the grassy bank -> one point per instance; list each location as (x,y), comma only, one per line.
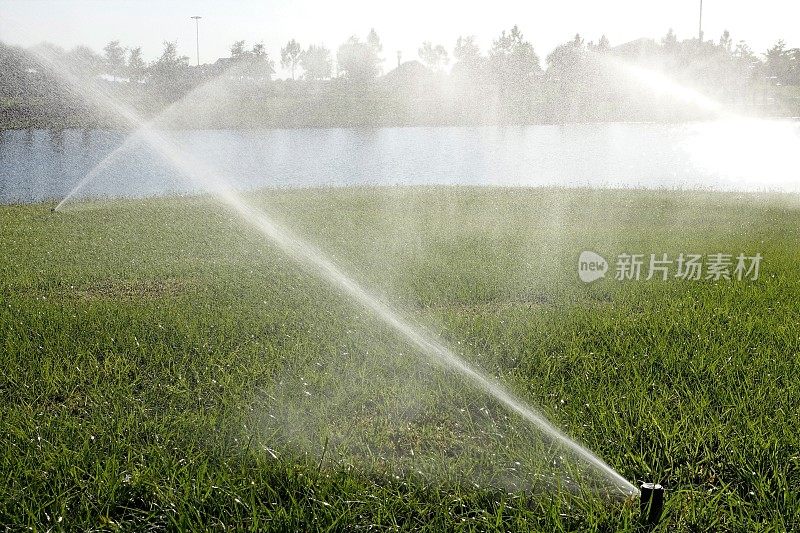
(164,366)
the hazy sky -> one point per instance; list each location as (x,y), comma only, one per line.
(402,25)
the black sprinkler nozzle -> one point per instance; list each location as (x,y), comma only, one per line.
(651,503)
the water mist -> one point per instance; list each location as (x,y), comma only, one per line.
(314,260)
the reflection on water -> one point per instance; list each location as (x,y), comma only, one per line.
(57,140)
(38,165)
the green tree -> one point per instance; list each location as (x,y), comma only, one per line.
(114,56)
(575,80)
(136,67)
(466,51)
(259,50)
(168,73)
(291,54)
(260,64)
(778,62)
(516,69)
(725,41)
(470,66)
(316,63)
(513,59)
(13,65)
(358,61)
(744,52)
(433,56)
(375,43)
(670,41)
(794,64)
(565,60)
(254,64)
(238,50)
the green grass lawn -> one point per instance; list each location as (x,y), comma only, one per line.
(163,366)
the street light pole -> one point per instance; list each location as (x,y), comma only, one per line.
(700,32)
(197,33)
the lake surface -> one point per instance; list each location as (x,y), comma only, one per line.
(38,165)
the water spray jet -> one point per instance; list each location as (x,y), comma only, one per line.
(316,261)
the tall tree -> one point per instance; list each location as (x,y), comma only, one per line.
(794,63)
(725,41)
(513,59)
(136,67)
(470,65)
(260,64)
(291,54)
(375,43)
(515,67)
(13,65)
(466,51)
(169,71)
(744,52)
(433,56)
(259,50)
(358,61)
(254,64)
(778,62)
(238,50)
(316,63)
(670,41)
(114,56)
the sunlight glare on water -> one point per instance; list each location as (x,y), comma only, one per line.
(752,154)
(746,153)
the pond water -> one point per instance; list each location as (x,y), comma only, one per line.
(39,165)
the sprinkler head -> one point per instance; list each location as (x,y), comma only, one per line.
(651,503)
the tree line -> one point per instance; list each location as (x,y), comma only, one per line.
(508,83)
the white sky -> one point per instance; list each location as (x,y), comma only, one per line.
(402,25)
